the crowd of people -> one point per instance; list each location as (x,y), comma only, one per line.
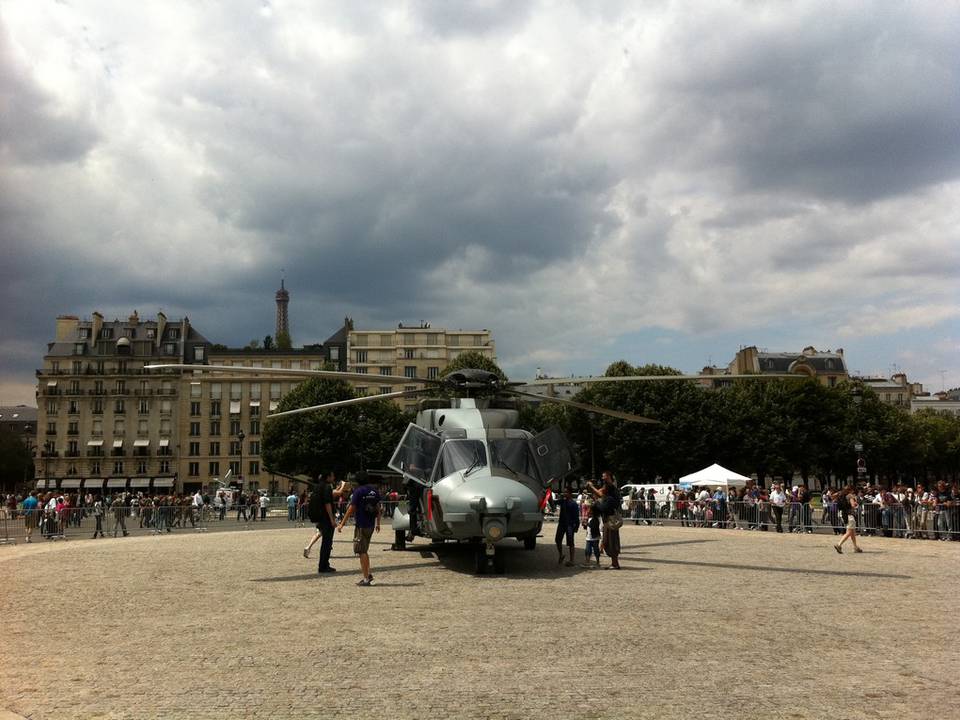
(900,511)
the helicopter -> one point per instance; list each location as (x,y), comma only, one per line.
(473,475)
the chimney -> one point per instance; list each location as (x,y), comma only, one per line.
(134,319)
(161,326)
(67,328)
(97,326)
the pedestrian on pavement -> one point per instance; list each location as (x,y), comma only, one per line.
(778,500)
(609,496)
(847,505)
(291,506)
(98,516)
(30,514)
(119,515)
(326,521)
(568,520)
(592,526)
(365,505)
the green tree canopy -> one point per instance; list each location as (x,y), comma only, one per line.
(475,360)
(339,439)
(283,341)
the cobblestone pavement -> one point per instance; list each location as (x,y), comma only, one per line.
(699,623)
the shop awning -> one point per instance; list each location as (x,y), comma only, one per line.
(234,407)
(164,442)
(116,482)
(273,405)
(141,442)
(52,383)
(140,483)
(93,483)
(41,484)
(94,443)
(254,403)
(118,443)
(70,483)
(163,482)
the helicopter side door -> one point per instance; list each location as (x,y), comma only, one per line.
(552,454)
(416,455)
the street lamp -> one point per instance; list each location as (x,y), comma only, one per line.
(857,395)
(241,436)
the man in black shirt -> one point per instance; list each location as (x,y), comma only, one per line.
(327,522)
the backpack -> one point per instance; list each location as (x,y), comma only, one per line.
(315,507)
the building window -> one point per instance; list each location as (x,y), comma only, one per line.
(193,469)
(195,390)
(361,370)
(216,391)
(386,370)
(198,353)
(166,407)
(75,386)
(254,467)
(52,408)
(274,391)
(254,411)
(409,354)
(118,467)
(118,427)
(173,333)
(73,427)
(164,466)
(214,408)
(235,467)
(98,407)
(51,428)
(97,427)
(195,408)
(141,467)
(361,390)
(98,387)
(121,387)
(386,390)
(255,391)
(832,381)
(433,372)
(254,447)
(118,407)
(141,427)
(144,407)
(361,356)
(453,340)
(194,449)
(335,353)
(234,427)
(215,447)
(214,468)
(106,333)
(359,339)
(95,467)
(214,427)
(410,371)
(234,447)
(74,407)
(254,427)
(151,333)
(235,390)
(165,426)
(194,429)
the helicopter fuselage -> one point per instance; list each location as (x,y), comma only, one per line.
(472,475)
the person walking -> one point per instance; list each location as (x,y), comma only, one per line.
(325,520)
(365,505)
(847,505)
(119,515)
(609,496)
(98,516)
(291,506)
(568,520)
(29,507)
(241,506)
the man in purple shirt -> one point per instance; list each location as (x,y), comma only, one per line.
(365,505)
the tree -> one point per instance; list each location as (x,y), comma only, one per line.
(475,360)
(268,342)
(283,341)
(339,440)
(253,345)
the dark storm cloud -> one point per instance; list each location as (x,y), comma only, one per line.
(33,130)
(835,102)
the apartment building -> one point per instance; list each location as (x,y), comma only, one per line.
(415,352)
(103,421)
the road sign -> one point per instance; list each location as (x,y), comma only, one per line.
(858,447)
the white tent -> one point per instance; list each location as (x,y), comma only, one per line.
(714,476)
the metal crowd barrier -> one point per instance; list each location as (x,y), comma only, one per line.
(898,521)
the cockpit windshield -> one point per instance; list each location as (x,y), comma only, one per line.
(456,455)
(514,455)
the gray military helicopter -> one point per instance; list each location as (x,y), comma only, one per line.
(473,475)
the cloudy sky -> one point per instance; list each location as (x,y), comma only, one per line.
(660,182)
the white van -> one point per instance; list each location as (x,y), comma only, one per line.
(662,493)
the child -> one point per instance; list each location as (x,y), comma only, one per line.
(592,526)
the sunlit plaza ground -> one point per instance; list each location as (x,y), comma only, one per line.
(699,623)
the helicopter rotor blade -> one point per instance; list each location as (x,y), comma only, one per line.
(331,374)
(656,378)
(588,408)
(351,401)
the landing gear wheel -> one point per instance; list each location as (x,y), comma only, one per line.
(530,542)
(399,540)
